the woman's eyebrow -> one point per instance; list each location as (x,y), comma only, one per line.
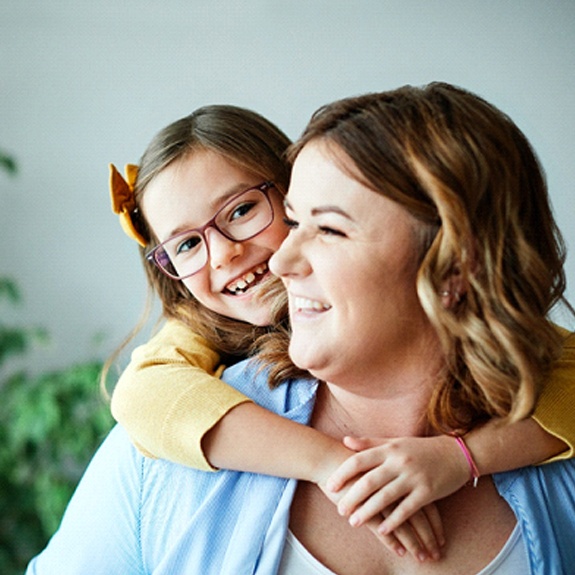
(322,210)
(330,210)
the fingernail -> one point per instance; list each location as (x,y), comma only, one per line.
(400,551)
(422,556)
(383,529)
(354,521)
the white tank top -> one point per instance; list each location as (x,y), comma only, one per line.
(511,560)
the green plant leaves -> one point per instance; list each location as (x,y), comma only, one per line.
(50,425)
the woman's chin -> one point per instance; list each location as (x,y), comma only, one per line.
(306,358)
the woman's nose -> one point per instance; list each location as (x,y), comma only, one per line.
(221,249)
(288,259)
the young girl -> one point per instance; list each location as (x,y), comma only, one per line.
(205,205)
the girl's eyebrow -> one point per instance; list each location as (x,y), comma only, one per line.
(214,206)
(322,210)
(226,195)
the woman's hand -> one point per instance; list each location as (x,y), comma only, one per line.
(408,473)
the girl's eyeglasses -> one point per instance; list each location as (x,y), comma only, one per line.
(242,217)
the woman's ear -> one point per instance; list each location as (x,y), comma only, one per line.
(453,289)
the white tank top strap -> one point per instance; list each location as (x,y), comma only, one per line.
(296,559)
(511,560)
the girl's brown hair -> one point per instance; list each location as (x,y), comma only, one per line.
(245,139)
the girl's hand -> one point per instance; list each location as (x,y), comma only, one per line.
(408,472)
(421,535)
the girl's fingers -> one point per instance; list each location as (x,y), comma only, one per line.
(402,512)
(425,530)
(434,519)
(350,468)
(389,540)
(408,538)
(373,488)
(367,508)
(359,443)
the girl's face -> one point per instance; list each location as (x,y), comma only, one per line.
(349,265)
(186,195)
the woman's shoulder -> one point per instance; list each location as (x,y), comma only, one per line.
(294,398)
(542,499)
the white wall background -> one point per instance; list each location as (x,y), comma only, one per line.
(84,83)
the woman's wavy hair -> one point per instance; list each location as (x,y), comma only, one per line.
(469,176)
(247,140)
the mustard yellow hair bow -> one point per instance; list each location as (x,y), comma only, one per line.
(123,201)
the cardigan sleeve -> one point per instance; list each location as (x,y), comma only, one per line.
(555,409)
(170,396)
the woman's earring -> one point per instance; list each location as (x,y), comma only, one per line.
(454,297)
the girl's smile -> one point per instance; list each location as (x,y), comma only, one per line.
(188,193)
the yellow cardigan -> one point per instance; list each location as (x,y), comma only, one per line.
(170,396)
(554,411)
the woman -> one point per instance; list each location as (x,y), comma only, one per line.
(421,307)
(422,262)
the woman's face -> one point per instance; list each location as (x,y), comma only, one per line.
(185,196)
(349,264)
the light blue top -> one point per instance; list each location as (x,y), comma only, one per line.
(132,515)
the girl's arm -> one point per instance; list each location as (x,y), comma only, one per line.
(173,406)
(251,438)
(407,469)
(169,396)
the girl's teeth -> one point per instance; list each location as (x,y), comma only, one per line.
(246,280)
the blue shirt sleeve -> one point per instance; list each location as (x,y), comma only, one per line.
(100,529)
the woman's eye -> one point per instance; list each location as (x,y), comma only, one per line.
(291,224)
(326,230)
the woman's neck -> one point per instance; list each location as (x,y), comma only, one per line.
(339,412)
(387,398)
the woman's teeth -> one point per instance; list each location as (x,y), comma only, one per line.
(242,284)
(302,304)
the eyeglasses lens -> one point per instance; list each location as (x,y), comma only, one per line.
(242,218)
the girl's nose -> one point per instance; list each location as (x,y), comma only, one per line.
(222,250)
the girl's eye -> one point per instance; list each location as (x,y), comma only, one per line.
(241,210)
(188,244)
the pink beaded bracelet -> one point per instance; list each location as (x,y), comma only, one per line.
(472,467)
